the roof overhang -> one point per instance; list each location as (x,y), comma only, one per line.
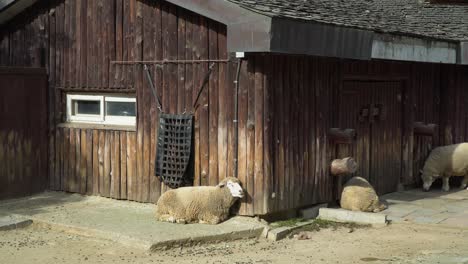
(249,31)
(405,48)
(11,8)
(463,53)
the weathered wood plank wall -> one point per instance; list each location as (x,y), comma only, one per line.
(81,38)
(286,103)
(23,131)
(297,93)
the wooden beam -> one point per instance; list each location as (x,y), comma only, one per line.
(342,136)
(343,166)
(420,128)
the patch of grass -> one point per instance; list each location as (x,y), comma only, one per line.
(287,223)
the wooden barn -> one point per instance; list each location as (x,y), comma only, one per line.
(292,86)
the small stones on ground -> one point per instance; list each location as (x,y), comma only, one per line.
(303,236)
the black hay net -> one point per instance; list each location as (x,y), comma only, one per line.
(174,148)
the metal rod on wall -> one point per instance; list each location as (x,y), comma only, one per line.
(236,118)
(160,62)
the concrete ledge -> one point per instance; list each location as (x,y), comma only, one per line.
(11,223)
(311,212)
(147,244)
(245,234)
(341,215)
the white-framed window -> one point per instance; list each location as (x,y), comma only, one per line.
(101,109)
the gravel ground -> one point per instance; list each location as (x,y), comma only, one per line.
(392,244)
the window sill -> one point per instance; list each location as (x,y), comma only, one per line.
(97,126)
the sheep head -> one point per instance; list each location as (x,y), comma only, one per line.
(427,180)
(233,184)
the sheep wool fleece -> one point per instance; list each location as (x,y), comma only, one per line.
(447,161)
(359,195)
(204,204)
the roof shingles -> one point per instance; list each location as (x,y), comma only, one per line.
(408,17)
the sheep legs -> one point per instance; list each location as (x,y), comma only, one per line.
(464,183)
(171,219)
(445,184)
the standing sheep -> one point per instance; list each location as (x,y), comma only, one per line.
(359,195)
(202,204)
(446,161)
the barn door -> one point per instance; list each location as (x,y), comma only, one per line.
(374,109)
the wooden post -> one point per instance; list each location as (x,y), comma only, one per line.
(424,129)
(342,136)
(340,167)
(343,166)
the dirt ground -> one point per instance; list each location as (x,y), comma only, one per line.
(393,244)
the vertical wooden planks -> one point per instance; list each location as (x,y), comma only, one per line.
(115,166)
(89,161)
(95,174)
(155,184)
(251,84)
(55,178)
(101,151)
(142,190)
(281,170)
(83,51)
(131,167)
(242,134)
(258,158)
(108,140)
(148,54)
(65,158)
(115,71)
(72,162)
(83,161)
(204,102)
(123,165)
(195,81)
(77,41)
(66,44)
(268,136)
(77,161)
(213,102)
(58,159)
(91,47)
(223,104)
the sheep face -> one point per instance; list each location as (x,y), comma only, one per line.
(427,181)
(235,189)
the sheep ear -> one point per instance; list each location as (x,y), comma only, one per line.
(221,184)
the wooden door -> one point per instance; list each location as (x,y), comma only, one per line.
(374,110)
(23,131)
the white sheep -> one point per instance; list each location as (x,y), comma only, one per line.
(359,195)
(202,204)
(446,161)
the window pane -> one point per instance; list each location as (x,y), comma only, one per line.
(83,107)
(120,108)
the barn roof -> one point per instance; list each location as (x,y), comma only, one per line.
(408,17)
(410,30)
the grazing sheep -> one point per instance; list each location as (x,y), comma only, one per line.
(202,204)
(446,161)
(359,195)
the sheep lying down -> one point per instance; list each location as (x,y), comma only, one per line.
(359,195)
(446,161)
(202,204)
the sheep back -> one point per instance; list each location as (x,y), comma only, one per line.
(206,203)
(359,195)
